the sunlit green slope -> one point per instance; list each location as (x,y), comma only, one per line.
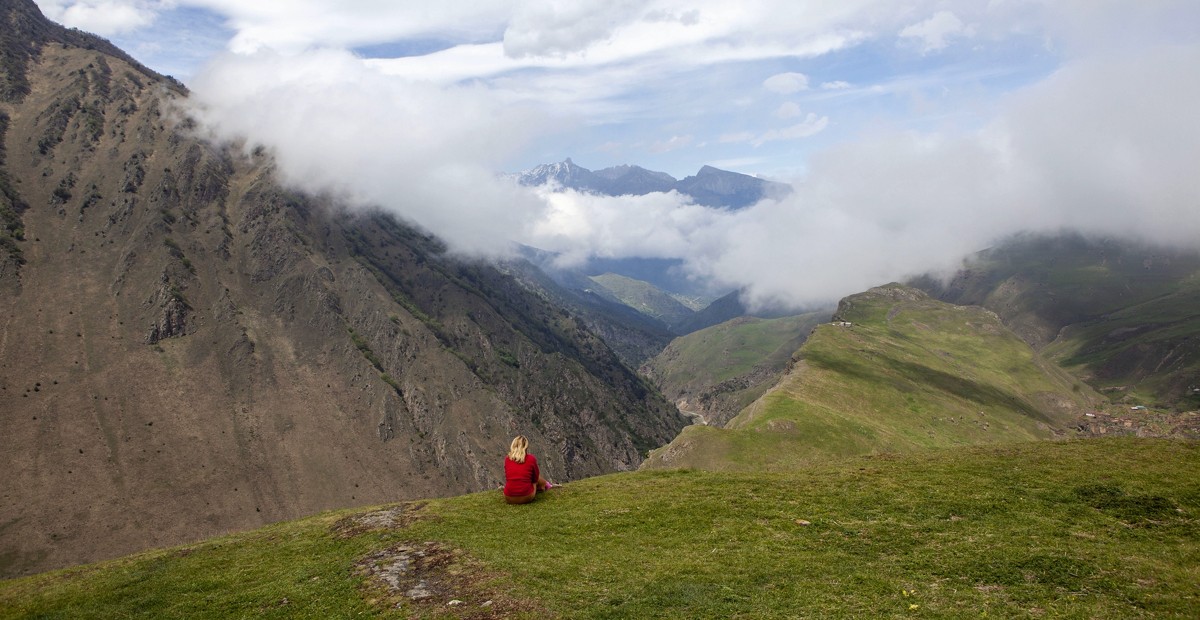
(645,298)
(896,371)
(719,370)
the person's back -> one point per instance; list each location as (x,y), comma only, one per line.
(522,477)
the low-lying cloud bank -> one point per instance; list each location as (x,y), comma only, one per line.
(1106,146)
(428,153)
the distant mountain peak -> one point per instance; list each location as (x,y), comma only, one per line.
(565,173)
(710,186)
(714,187)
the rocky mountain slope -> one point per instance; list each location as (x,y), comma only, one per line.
(186,347)
(633,336)
(894,371)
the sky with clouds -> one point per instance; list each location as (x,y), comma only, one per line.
(914,132)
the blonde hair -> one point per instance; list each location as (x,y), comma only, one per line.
(516,451)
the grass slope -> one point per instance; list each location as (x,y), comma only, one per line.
(1081,529)
(910,372)
(724,368)
(1117,313)
(645,298)
(1148,353)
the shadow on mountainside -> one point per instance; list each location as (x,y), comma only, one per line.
(919,374)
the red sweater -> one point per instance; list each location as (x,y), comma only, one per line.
(520,479)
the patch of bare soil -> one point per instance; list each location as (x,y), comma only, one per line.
(394,517)
(430,580)
(1117,421)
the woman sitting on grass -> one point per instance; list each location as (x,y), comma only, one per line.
(522,478)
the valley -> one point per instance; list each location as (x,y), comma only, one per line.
(223,395)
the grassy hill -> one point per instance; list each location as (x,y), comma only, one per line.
(719,370)
(907,372)
(1119,314)
(1148,353)
(1081,529)
(645,298)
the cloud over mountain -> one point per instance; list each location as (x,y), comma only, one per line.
(337,126)
(1071,152)
(1103,141)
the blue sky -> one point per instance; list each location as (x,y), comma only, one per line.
(915,131)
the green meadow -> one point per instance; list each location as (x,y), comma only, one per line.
(1079,529)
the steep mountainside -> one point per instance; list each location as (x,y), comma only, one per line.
(716,372)
(187,348)
(896,371)
(1124,316)
(633,336)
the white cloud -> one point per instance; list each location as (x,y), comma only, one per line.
(335,125)
(104,17)
(1118,161)
(654,226)
(836,85)
(810,126)
(935,33)
(296,25)
(786,83)
(788,109)
(559,28)
(422,136)
(1070,152)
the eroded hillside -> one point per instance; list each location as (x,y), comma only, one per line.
(186,347)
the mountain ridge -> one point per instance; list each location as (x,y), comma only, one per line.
(711,187)
(895,370)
